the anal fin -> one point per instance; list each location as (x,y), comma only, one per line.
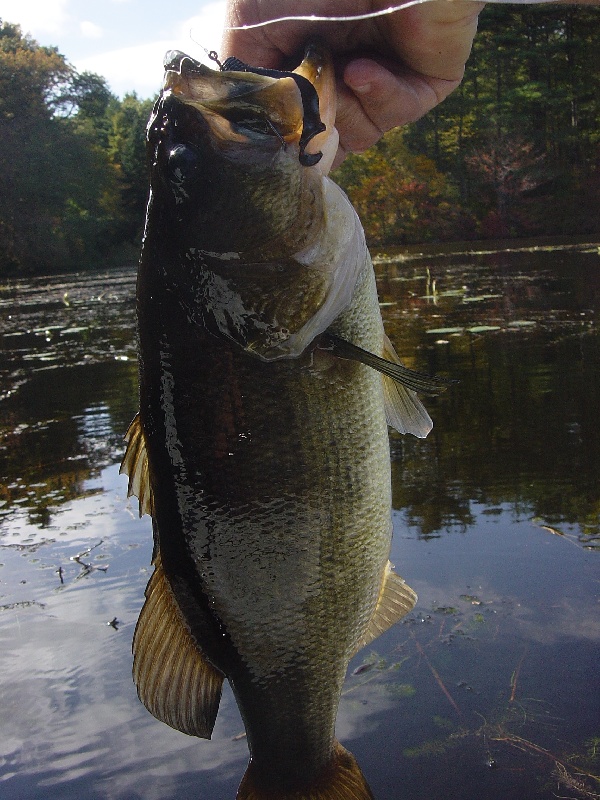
(396,600)
(135,465)
(173,679)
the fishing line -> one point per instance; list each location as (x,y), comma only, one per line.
(355,17)
(212,54)
(315,18)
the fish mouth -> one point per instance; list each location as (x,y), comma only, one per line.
(239,101)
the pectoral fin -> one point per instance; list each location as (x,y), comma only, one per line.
(396,600)
(389,364)
(135,465)
(403,409)
(174,680)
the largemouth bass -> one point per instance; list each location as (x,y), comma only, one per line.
(261,444)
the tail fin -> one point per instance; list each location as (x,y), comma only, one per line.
(341,779)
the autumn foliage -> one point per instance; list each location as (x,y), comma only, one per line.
(514,152)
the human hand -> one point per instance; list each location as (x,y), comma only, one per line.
(390,70)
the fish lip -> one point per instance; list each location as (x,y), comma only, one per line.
(180,69)
(179,62)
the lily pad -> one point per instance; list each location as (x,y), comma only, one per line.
(483,328)
(478,298)
(73,331)
(400,689)
(522,323)
(445,330)
(471,598)
(446,610)
(47,329)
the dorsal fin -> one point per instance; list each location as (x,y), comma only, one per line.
(173,679)
(396,600)
(135,465)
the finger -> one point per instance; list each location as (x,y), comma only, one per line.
(356,129)
(391,98)
(251,46)
(381,99)
(435,38)
(339,157)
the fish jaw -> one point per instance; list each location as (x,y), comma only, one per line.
(254,93)
(237,105)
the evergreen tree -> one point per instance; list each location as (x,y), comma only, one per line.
(531,97)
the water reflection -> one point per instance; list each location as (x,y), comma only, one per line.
(520,426)
(484,688)
(68,386)
(57,430)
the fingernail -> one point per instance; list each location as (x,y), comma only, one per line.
(361,88)
(358,74)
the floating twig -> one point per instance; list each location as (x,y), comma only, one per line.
(436,675)
(573,781)
(515,677)
(559,533)
(86,569)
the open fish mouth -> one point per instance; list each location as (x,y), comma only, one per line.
(240,102)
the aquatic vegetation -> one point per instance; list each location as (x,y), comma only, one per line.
(570,779)
(433,747)
(400,690)
(575,770)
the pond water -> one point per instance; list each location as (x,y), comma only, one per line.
(488,690)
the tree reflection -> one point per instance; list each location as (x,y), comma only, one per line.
(60,429)
(519,427)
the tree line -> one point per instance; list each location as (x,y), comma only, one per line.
(73,183)
(513,152)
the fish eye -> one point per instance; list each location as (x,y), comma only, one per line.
(256,124)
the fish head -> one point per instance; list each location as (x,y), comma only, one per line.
(235,153)
(250,234)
